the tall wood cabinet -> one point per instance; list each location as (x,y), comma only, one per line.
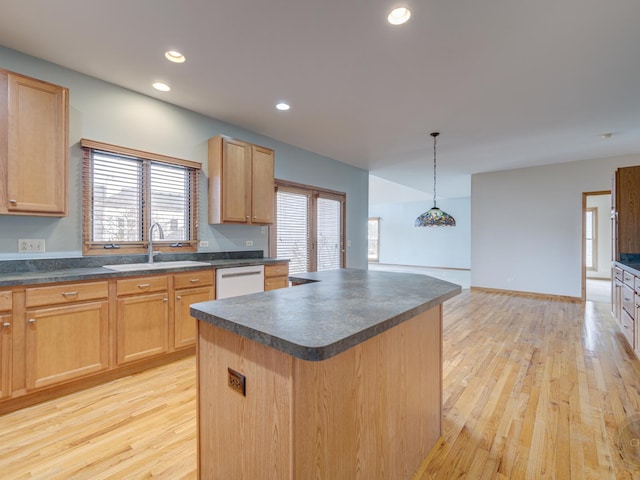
(625,201)
(34,146)
(241,182)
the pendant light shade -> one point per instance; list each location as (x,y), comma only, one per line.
(434,217)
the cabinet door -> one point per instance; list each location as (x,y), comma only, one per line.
(37,147)
(263,188)
(185,324)
(66,342)
(5,355)
(143,327)
(236,181)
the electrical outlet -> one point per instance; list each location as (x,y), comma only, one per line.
(237,382)
(204,243)
(249,243)
(263,230)
(348,243)
(26,245)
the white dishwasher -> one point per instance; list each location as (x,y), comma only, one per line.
(235,281)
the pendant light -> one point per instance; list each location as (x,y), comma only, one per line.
(434,217)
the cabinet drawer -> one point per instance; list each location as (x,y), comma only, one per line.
(276,282)
(276,270)
(628,327)
(628,301)
(629,279)
(59,294)
(6,301)
(192,279)
(131,286)
(617,273)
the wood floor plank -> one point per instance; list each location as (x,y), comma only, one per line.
(533,389)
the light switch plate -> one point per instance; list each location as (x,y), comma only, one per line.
(249,243)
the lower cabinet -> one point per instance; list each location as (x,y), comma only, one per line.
(185,324)
(6,322)
(276,276)
(66,342)
(142,328)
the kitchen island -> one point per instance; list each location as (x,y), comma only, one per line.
(337,378)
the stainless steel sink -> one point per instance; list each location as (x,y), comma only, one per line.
(129,267)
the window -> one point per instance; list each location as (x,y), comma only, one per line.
(126,191)
(591,238)
(309,228)
(373,237)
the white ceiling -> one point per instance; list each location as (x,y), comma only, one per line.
(508,83)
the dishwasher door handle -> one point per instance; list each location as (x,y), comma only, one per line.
(240,274)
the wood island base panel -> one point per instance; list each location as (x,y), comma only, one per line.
(373,411)
(338,378)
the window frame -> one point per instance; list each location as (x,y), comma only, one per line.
(313,193)
(377,239)
(594,238)
(90,247)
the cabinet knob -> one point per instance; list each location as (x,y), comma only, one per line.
(165,299)
(13,202)
(248,217)
(32,321)
(179,297)
(6,324)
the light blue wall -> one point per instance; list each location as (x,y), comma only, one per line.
(104,112)
(402,243)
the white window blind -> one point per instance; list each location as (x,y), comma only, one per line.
(116,199)
(329,225)
(292,240)
(170,201)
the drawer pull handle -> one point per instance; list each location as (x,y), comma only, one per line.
(143,285)
(70,294)
(6,324)
(32,321)
(165,299)
(179,297)
(13,202)
(194,280)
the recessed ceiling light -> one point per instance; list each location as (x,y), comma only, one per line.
(399,15)
(283,106)
(163,87)
(174,56)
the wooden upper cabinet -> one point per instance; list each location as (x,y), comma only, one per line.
(241,182)
(34,152)
(627,211)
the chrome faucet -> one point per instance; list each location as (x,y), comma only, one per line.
(161,233)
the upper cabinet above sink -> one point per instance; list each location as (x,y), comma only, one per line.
(241,182)
(34,146)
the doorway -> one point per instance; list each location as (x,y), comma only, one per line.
(596,246)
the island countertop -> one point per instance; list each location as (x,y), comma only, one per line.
(331,312)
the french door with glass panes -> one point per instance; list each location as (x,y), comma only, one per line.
(309,228)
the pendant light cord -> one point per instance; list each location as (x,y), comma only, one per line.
(434,135)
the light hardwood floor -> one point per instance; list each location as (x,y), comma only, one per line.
(533,389)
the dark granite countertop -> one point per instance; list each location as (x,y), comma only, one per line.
(334,311)
(30,272)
